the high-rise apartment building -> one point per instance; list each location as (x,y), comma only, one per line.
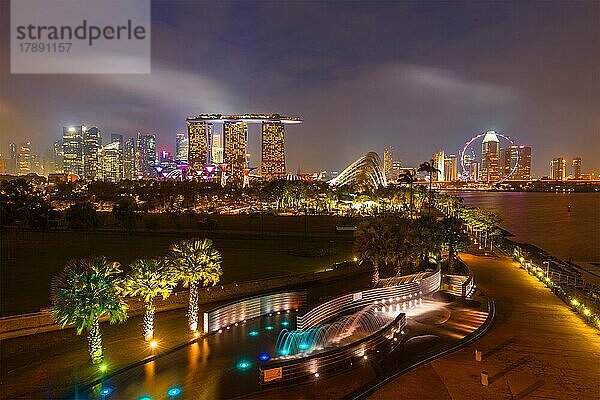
(576,164)
(181,147)
(92,142)
(490,149)
(273,153)
(235,140)
(450,168)
(438,163)
(111,163)
(25,158)
(129,159)
(558,169)
(388,160)
(73,150)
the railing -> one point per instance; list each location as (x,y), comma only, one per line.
(405,291)
(459,285)
(337,359)
(252,307)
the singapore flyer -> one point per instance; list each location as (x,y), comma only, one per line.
(479,158)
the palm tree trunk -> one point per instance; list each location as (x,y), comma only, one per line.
(149,322)
(94,338)
(375,275)
(193,307)
(398,269)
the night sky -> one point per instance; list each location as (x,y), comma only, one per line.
(415,75)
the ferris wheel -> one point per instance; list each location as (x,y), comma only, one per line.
(468,153)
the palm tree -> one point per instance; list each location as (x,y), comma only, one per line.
(85,291)
(374,243)
(409,177)
(454,238)
(405,245)
(195,262)
(429,168)
(149,278)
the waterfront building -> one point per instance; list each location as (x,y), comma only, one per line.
(92,142)
(73,150)
(129,159)
(181,147)
(450,168)
(438,163)
(490,149)
(273,151)
(388,163)
(558,169)
(518,155)
(111,162)
(25,158)
(235,141)
(576,164)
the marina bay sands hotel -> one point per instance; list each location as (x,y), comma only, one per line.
(228,150)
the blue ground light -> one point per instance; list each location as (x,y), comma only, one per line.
(269,328)
(285,323)
(145,398)
(304,346)
(264,357)
(253,333)
(174,391)
(106,391)
(243,365)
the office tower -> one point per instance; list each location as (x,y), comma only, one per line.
(450,168)
(73,150)
(388,160)
(57,152)
(198,144)
(576,168)
(273,151)
(490,149)
(36,164)
(25,158)
(181,147)
(520,156)
(558,169)
(146,154)
(116,137)
(12,160)
(504,162)
(92,142)
(111,164)
(438,163)
(3,166)
(129,159)
(235,139)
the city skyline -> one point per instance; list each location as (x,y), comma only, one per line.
(356,91)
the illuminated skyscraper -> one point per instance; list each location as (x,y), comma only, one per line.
(273,151)
(235,140)
(25,158)
(217,149)
(576,164)
(519,155)
(450,168)
(388,160)
(92,142)
(57,152)
(129,159)
(146,154)
(490,149)
(438,163)
(73,150)
(558,169)
(181,147)
(12,160)
(199,134)
(111,162)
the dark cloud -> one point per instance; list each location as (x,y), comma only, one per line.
(416,75)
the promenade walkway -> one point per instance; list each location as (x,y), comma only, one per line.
(536,349)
